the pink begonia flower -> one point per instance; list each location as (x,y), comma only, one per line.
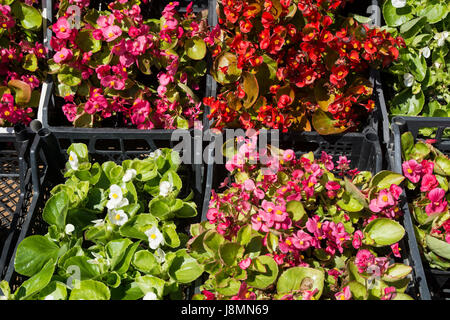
(113,82)
(396,250)
(70,111)
(332,187)
(63,55)
(345,294)
(164,79)
(103,71)
(308,185)
(358,236)
(97,34)
(438,204)
(412,170)
(396,191)
(288,155)
(327,160)
(31,80)
(102,21)
(389,293)
(111,33)
(427,166)
(244,294)
(363,259)
(384,199)
(244,264)
(127,59)
(429,182)
(301,240)
(140,111)
(62,28)
(249,185)
(134,32)
(343,163)
(119,48)
(138,46)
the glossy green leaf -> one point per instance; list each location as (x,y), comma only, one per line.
(261,280)
(301,278)
(395,17)
(439,247)
(55,210)
(195,48)
(36,283)
(406,103)
(184,268)
(29,17)
(90,290)
(383,232)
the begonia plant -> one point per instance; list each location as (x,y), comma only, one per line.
(303,229)
(22,60)
(115,232)
(420,76)
(296,64)
(427,170)
(150,71)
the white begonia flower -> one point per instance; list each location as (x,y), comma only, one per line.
(73,160)
(165,187)
(118,217)
(69,228)
(441,37)
(156,154)
(129,175)
(150,296)
(408,79)
(155,238)
(398,3)
(116,199)
(98,222)
(426,52)
(49,297)
(98,259)
(437,65)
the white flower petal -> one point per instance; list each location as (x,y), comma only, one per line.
(150,296)
(398,3)
(129,175)
(69,228)
(73,160)
(408,79)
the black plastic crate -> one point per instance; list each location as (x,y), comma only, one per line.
(48,154)
(437,281)
(52,115)
(15,187)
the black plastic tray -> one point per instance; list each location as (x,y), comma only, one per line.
(15,187)
(437,281)
(48,156)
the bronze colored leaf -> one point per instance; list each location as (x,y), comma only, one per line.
(322,97)
(22,91)
(225,68)
(251,88)
(324,124)
(233,102)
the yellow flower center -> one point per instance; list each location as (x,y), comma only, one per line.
(110,34)
(61,55)
(409,170)
(71,158)
(117,217)
(115,196)
(30,79)
(342,297)
(7,113)
(4,25)
(62,29)
(310,184)
(385,198)
(279,212)
(269,210)
(288,242)
(153,236)
(319,225)
(247,295)
(112,83)
(308,77)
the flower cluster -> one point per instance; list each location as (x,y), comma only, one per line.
(294,64)
(22,57)
(119,63)
(427,171)
(294,216)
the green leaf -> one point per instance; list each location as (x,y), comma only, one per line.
(212,241)
(55,210)
(56,289)
(36,283)
(384,179)
(296,209)
(435,11)
(170,234)
(116,250)
(30,18)
(412,27)
(415,63)
(86,270)
(195,48)
(359,292)
(90,290)
(33,253)
(349,203)
(442,165)
(30,62)
(86,42)
(137,225)
(396,271)
(439,247)
(406,103)
(188,210)
(263,280)
(69,76)
(229,251)
(228,61)
(184,268)
(146,262)
(150,283)
(324,124)
(301,278)
(383,232)
(159,208)
(402,296)
(81,150)
(395,17)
